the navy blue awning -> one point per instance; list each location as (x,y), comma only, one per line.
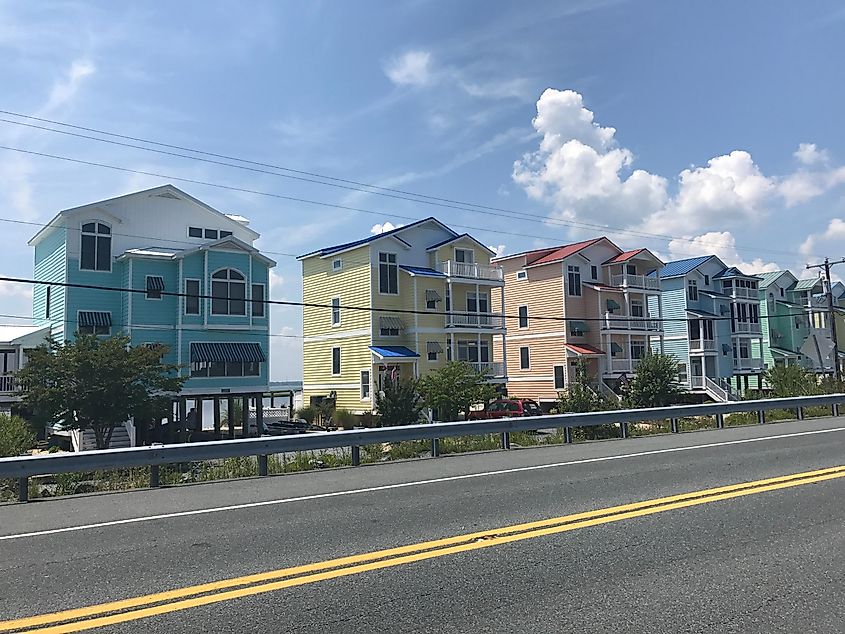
(94,318)
(247,352)
(155,283)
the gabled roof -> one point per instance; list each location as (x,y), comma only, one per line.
(556,254)
(228,240)
(628,255)
(767,279)
(679,268)
(460,237)
(163,191)
(324,251)
(806,285)
(732,271)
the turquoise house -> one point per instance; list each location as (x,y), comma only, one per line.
(191,278)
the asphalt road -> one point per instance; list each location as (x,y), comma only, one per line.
(767,560)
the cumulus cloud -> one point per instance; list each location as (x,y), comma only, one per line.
(14,289)
(66,88)
(721,244)
(384,227)
(412,68)
(810,154)
(498,249)
(830,242)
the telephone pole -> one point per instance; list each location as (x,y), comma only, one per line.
(830,313)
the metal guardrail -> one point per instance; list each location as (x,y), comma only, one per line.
(24,467)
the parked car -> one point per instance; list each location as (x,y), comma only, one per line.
(508,408)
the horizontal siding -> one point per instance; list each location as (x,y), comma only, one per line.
(317,371)
(51,266)
(545,353)
(162,311)
(81,299)
(234,384)
(351,285)
(542,292)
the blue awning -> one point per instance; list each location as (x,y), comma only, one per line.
(246,352)
(94,318)
(394,352)
(155,283)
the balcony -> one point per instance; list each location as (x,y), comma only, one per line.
(744,293)
(475,320)
(706,345)
(750,363)
(621,322)
(619,365)
(635,281)
(747,328)
(8,384)
(493,369)
(471,270)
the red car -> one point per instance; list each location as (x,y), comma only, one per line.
(509,408)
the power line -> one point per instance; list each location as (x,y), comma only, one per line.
(351,185)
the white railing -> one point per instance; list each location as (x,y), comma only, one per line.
(492,368)
(623,365)
(744,293)
(747,327)
(470,270)
(621,322)
(475,320)
(751,363)
(702,344)
(713,389)
(8,383)
(635,281)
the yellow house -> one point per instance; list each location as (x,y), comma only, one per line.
(399,303)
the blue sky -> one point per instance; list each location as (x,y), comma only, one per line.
(686,127)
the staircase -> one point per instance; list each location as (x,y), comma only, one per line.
(721,393)
(605,390)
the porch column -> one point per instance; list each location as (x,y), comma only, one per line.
(245,417)
(630,358)
(259,414)
(451,307)
(198,413)
(230,415)
(217,417)
(183,415)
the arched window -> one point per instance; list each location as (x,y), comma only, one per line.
(95,250)
(228,293)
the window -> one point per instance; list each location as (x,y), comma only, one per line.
(694,329)
(389,326)
(93,323)
(225,234)
(707,280)
(431,356)
(211,234)
(464,255)
(337,264)
(192,297)
(471,352)
(574,279)
(388,274)
(577,328)
(727,284)
(630,269)
(335,361)
(781,292)
(637,350)
(195,232)
(95,250)
(258,309)
(365,385)
(522,275)
(431,299)
(335,311)
(228,293)
(524,358)
(523,316)
(224,368)
(47,304)
(755,313)
(448,348)
(559,379)
(154,285)
(477,303)
(682,373)
(692,290)
(637,308)
(594,272)
(707,329)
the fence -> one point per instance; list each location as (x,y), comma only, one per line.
(24,467)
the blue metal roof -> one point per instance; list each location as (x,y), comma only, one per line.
(348,245)
(394,352)
(682,267)
(421,270)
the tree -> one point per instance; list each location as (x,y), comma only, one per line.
(15,436)
(97,384)
(578,396)
(399,402)
(656,382)
(791,380)
(454,388)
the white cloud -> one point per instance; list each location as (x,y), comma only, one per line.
(15,290)
(830,242)
(410,69)
(66,88)
(498,249)
(276,283)
(721,244)
(804,185)
(384,227)
(809,154)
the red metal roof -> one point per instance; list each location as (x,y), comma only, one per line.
(583,348)
(624,257)
(544,256)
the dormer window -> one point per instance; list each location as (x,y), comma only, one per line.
(337,264)
(211,234)
(464,255)
(95,248)
(195,232)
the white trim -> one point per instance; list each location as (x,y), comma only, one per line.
(369,396)
(378,271)
(180,306)
(96,235)
(146,287)
(527,379)
(557,333)
(248,292)
(554,378)
(348,334)
(519,317)
(207,302)
(528,348)
(334,323)
(329,386)
(339,361)
(129,305)
(244,281)
(524,274)
(339,268)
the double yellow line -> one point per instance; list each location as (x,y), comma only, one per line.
(77,620)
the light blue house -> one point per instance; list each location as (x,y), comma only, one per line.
(200,285)
(712,325)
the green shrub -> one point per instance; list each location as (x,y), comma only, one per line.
(344,418)
(308,414)
(16,436)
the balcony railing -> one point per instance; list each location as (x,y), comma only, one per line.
(744,293)
(751,363)
(635,281)
(702,344)
(746,327)
(475,320)
(621,322)
(628,365)
(470,270)
(8,383)
(492,368)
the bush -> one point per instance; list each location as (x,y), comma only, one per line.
(16,436)
(344,418)
(307,413)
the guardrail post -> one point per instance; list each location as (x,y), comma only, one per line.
(262,465)
(834,409)
(435,447)
(720,421)
(356,455)
(673,424)
(23,489)
(506,440)
(624,428)
(567,435)
(761,417)
(155,476)
(800,413)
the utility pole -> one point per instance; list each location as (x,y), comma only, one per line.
(830,314)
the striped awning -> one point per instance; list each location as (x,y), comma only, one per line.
(94,318)
(247,352)
(155,283)
(432,296)
(433,346)
(386,321)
